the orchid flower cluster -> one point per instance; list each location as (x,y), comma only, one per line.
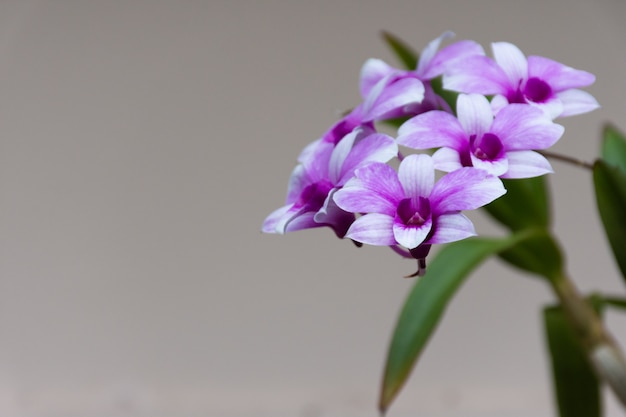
(503,113)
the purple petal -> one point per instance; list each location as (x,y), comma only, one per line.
(393,96)
(372,72)
(288,219)
(432,130)
(477,74)
(452,227)
(428,53)
(360,200)
(339,154)
(315,159)
(576,102)
(308,151)
(298,181)
(464,189)
(526,164)
(376,147)
(410,236)
(524,127)
(511,60)
(378,178)
(559,76)
(270,223)
(417,175)
(301,222)
(447,160)
(447,56)
(373,229)
(332,215)
(552,108)
(474,113)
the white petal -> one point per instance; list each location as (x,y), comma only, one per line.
(512,61)
(474,113)
(452,227)
(373,229)
(526,164)
(417,175)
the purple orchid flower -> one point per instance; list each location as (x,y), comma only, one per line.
(324,168)
(512,78)
(502,145)
(386,90)
(408,208)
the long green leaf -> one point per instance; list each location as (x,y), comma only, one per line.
(576,385)
(614,147)
(428,300)
(525,204)
(610,185)
(403,51)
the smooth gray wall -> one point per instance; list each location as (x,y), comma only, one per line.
(142,143)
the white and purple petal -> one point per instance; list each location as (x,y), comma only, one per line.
(447,160)
(379,178)
(524,127)
(375,147)
(452,53)
(512,61)
(464,189)
(476,74)
(372,72)
(373,229)
(428,53)
(576,102)
(450,228)
(432,130)
(417,175)
(474,113)
(560,77)
(391,96)
(361,200)
(526,164)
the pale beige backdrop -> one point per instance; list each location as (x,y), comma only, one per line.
(142,143)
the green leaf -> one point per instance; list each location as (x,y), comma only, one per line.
(614,147)
(538,254)
(610,185)
(427,302)
(576,385)
(525,204)
(403,51)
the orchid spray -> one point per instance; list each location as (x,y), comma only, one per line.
(485,123)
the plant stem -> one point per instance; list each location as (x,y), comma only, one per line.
(568,159)
(604,353)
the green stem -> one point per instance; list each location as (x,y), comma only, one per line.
(568,159)
(604,353)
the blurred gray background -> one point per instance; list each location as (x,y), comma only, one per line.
(142,143)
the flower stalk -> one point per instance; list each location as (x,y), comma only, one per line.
(604,353)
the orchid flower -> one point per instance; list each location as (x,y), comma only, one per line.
(502,145)
(513,78)
(408,208)
(323,169)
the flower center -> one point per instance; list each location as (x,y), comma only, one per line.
(537,90)
(487,147)
(414,211)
